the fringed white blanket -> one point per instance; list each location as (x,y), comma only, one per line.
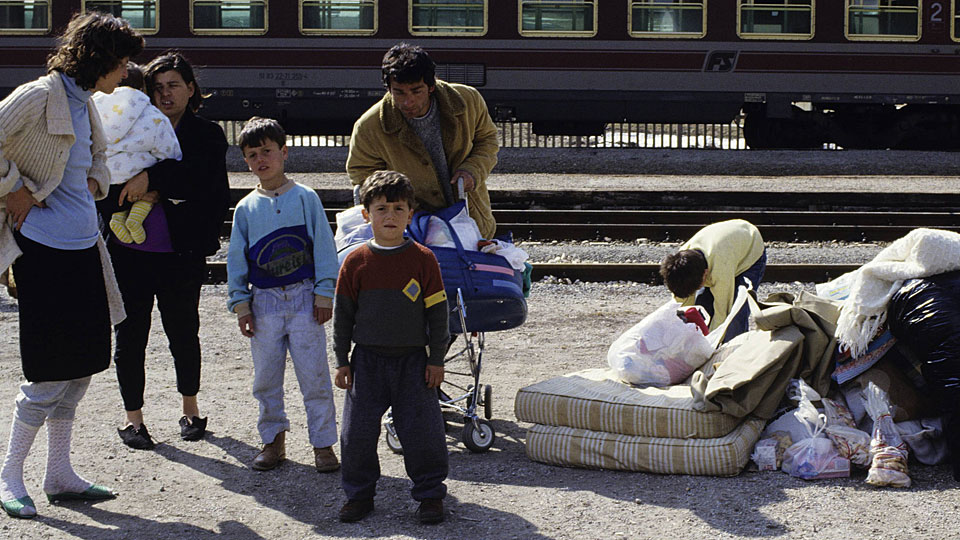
(921,253)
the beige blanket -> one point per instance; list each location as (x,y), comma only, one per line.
(921,253)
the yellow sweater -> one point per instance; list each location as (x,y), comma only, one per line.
(731,247)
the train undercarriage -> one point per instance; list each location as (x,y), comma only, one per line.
(855,126)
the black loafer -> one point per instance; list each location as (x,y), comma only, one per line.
(138,439)
(356,510)
(430,511)
(193,429)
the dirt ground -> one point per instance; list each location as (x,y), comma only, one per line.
(206,489)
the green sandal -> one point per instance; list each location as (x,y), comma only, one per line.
(22,508)
(93,493)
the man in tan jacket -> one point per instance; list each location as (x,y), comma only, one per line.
(432,131)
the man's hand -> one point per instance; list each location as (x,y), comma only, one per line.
(322,314)
(468,182)
(135,188)
(434,376)
(19,203)
(344,378)
(246,324)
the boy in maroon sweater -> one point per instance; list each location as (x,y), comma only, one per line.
(390,302)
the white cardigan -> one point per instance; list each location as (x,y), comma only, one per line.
(36,134)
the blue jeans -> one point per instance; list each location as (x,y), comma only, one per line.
(741,322)
(283,321)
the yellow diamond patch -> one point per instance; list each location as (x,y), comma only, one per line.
(412,290)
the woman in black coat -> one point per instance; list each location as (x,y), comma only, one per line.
(171,264)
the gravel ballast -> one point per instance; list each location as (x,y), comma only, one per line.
(206,489)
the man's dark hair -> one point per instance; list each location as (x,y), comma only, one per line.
(406,64)
(259,130)
(682,272)
(134,77)
(391,185)
(92,45)
(173,60)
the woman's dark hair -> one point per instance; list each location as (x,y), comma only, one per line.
(173,60)
(93,45)
(407,63)
(134,77)
(683,271)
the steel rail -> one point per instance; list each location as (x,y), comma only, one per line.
(638,272)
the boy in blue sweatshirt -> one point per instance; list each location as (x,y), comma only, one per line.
(282,272)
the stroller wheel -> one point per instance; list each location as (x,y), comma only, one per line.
(487,401)
(478,439)
(393,442)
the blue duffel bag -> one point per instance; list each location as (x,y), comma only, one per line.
(492,290)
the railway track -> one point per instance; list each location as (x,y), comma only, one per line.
(639,272)
(851,217)
(673,216)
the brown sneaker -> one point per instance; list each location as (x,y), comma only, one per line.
(325,459)
(272,454)
(356,510)
(430,511)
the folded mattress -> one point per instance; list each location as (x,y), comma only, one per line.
(572,447)
(596,400)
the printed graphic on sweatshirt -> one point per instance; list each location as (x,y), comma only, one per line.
(282,257)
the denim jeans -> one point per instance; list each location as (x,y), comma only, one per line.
(283,321)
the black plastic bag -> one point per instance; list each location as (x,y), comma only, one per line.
(924,315)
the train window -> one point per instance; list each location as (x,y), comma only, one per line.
(775,19)
(228,16)
(357,17)
(668,18)
(25,17)
(559,18)
(447,17)
(141,14)
(883,20)
(955,20)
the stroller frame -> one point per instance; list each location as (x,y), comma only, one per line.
(478,435)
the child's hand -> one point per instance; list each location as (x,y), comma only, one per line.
(344,378)
(322,314)
(246,324)
(434,376)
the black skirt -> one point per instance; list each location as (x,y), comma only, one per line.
(64,316)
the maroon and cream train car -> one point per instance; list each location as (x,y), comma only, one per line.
(862,73)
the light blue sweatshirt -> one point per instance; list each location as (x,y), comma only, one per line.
(69,220)
(280,237)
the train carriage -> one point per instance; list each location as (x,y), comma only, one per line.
(861,73)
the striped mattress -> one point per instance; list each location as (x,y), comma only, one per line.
(571,447)
(596,400)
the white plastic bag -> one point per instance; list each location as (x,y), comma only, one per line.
(438,234)
(351,227)
(849,441)
(660,350)
(814,456)
(888,466)
(514,255)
